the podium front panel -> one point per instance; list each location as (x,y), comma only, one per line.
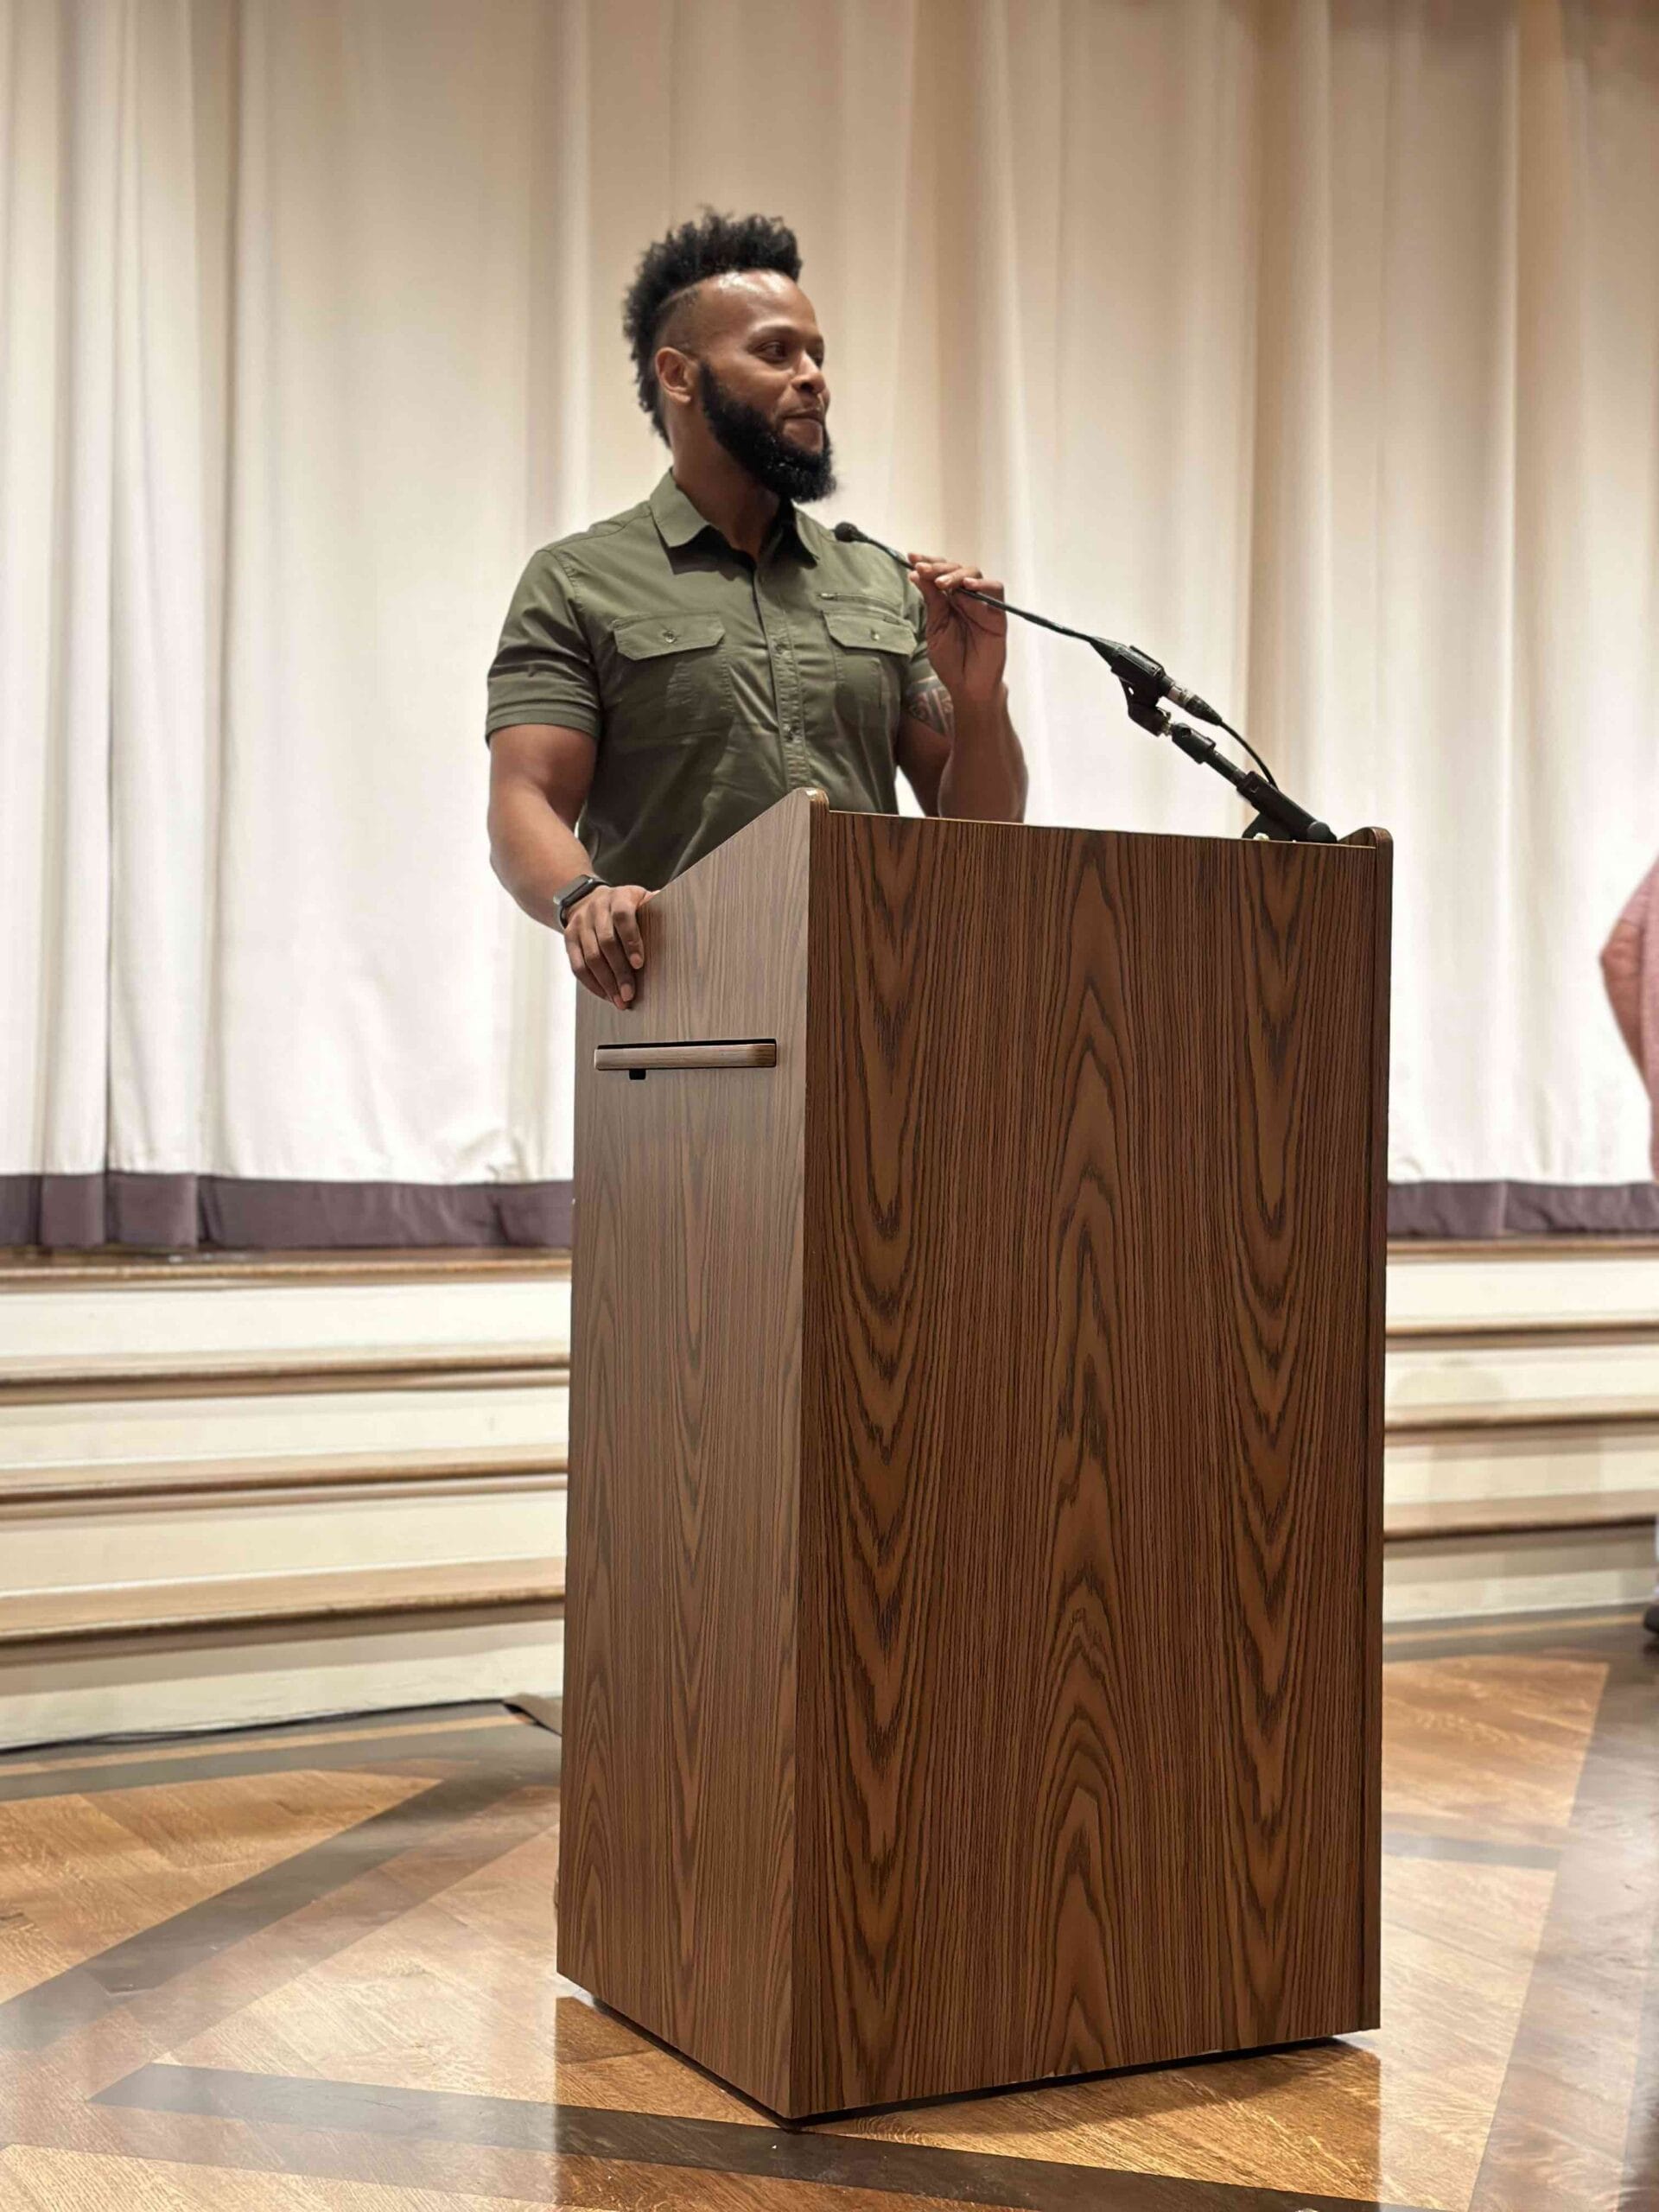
(1091,1522)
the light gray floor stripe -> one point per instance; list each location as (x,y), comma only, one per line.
(802,2155)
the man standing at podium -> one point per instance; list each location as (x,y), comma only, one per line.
(670,673)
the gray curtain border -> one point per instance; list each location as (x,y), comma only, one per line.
(1482,1212)
(189,1213)
(175,1213)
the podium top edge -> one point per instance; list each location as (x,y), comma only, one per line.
(1370,837)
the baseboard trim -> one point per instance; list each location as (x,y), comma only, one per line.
(1424,1424)
(354,1596)
(119,1268)
(1559,1513)
(55,1381)
(1523,1333)
(201,1481)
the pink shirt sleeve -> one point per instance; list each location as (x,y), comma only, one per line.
(1621,970)
(1630,967)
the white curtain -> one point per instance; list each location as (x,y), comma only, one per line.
(1315,344)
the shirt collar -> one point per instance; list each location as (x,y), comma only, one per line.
(679,523)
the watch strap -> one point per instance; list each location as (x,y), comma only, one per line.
(573,893)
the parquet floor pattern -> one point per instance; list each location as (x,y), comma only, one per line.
(310,1971)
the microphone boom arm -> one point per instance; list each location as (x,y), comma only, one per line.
(1146,682)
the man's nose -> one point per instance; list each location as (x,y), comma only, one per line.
(810,378)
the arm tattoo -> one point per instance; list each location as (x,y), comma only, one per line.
(932,707)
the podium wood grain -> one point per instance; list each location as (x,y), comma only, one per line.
(975,1460)
(677,1869)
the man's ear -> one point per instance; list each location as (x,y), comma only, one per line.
(676,373)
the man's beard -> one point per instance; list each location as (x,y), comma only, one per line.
(787,469)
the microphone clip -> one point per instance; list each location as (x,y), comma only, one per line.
(1146,684)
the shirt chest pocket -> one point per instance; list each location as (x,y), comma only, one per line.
(671,676)
(872,650)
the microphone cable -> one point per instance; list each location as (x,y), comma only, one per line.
(1141,677)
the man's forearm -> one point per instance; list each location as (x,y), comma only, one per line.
(534,852)
(984,780)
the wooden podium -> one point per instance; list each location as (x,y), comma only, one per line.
(973,1650)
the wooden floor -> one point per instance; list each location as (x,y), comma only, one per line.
(309,1969)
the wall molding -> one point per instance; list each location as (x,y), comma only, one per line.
(36,1269)
(1524,1335)
(1520,1417)
(121,1483)
(211,1605)
(307,1370)
(1438,1519)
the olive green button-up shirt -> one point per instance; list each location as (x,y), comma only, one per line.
(712,684)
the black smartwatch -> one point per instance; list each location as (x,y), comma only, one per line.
(565,899)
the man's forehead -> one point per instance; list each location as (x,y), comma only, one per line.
(735,301)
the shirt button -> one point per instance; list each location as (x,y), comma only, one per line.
(670,635)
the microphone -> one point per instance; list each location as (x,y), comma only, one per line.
(1147,680)
(850,534)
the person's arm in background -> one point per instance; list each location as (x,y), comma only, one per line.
(1630,968)
(1622,962)
(539,775)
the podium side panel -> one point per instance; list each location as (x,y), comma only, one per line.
(1379,842)
(1090,1527)
(676,1855)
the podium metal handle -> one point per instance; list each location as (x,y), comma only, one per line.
(654,1059)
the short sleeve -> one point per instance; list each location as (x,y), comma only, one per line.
(542,671)
(919,670)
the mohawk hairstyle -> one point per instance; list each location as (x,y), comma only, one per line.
(711,244)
